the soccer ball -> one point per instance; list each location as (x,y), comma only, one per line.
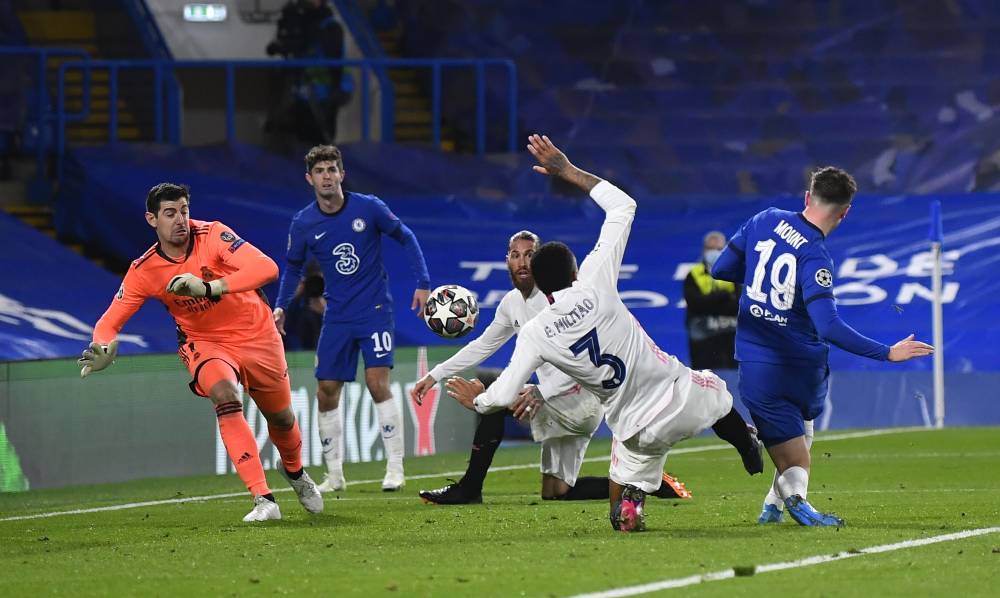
(451,311)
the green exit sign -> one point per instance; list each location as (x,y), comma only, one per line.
(205,13)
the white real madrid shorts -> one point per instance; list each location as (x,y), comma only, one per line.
(638,461)
(564,425)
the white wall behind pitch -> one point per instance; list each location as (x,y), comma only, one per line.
(237,38)
(232,38)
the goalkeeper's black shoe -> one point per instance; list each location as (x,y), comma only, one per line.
(452,494)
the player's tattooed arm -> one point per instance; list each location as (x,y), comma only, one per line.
(553,162)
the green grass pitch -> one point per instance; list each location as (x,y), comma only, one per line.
(890,488)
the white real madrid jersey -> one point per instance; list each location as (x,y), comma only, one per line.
(513,312)
(589,334)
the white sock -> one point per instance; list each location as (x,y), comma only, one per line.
(391,424)
(331,432)
(774,495)
(794,480)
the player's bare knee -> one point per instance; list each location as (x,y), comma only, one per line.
(328,394)
(283,420)
(381,395)
(328,402)
(224,392)
(377,381)
(380,391)
(553,487)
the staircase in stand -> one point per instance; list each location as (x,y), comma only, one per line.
(104,31)
(413,104)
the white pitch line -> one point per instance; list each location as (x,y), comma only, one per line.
(680,582)
(680,451)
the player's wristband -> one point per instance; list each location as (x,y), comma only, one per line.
(213,289)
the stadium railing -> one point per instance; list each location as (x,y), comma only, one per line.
(44,116)
(168,111)
(149,31)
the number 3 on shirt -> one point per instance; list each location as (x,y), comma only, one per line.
(782,277)
(590,343)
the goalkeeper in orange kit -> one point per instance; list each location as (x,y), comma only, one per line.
(209,279)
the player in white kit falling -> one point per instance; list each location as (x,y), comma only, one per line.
(651,400)
(563,417)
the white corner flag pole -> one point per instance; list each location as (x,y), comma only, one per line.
(937,238)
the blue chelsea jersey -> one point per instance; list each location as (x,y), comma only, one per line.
(785,267)
(348,246)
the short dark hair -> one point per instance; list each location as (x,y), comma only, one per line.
(553,267)
(833,186)
(324,153)
(165,192)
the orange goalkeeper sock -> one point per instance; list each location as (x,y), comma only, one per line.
(241,446)
(289,445)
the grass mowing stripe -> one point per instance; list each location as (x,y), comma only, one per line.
(668,584)
(680,451)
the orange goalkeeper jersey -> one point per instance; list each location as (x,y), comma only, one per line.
(214,251)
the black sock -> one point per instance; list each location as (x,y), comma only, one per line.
(733,430)
(664,491)
(294,475)
(489,434)
(269,497)
(588,488)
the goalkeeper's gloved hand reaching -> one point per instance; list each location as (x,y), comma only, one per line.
(189,285)
(96,357)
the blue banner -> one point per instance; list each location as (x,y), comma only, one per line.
(881,251)
(50,298)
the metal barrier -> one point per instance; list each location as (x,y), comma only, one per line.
(46,114)
(162,69)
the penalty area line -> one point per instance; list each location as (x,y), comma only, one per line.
(680,582)
(426,476)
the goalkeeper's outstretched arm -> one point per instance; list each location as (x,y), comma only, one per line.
(102,351)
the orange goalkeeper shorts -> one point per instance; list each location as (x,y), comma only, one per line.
(259,365)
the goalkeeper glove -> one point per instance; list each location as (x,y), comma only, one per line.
(97,357)
(189,285)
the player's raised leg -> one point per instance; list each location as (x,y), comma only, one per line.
(734,430)
(709,399)
(391,425)
(331,432)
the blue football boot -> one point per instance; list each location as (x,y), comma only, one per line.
(804,513)
(771,514)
